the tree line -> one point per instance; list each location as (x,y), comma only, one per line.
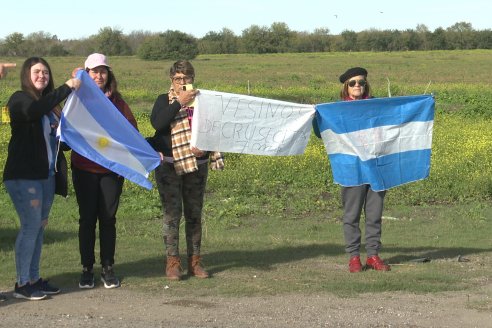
(277,38)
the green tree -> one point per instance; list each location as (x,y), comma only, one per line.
(348,41)
(281,37)
(256,39)
(318,41)
(136,38)
(321,39)
(460,36)
(425,37)
(370,40)
(303,42)
(111,42)
(210,43)
(396,41)
(484,39)
(44,44)
(14,45)
(410,40)
(438,39)
(172,45)
(224,42)
(230,44)
(82,47)
(277,38)
(57,50)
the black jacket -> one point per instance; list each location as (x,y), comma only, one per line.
(27,156)
(161,117)
(163,114)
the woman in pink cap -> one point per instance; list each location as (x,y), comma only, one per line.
(98,189)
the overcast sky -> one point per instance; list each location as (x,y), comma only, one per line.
(76,20)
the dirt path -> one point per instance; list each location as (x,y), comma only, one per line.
(128,308)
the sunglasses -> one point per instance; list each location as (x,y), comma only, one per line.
(352,83)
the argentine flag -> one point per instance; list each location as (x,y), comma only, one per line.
(93,127)
(383,142)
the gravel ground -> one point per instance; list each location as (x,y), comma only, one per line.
(128,308)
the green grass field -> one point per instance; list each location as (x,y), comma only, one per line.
(272,224)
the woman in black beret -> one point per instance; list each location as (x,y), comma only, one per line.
(354,199)
(355,84)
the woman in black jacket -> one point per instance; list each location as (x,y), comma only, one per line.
(29,173)
(182,176)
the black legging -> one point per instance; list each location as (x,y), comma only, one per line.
(98,196)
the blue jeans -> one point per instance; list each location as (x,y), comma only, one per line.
(32,200)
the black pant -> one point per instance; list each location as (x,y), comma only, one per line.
(182,194)
(98,196)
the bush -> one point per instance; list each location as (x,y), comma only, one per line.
(172,45)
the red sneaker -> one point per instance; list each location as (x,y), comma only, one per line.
(375,262)
(354,264)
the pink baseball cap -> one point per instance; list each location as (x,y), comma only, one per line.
(95,60)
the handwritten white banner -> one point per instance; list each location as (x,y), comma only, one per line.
(236,123)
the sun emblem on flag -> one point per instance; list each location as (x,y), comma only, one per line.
(103,142)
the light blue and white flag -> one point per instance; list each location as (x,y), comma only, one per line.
(383,142)
(93,127)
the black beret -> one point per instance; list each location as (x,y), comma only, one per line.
(351,72)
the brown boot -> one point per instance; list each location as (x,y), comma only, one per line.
(173,268)
(195,267)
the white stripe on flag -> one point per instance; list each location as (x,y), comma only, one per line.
(99,139)
(380,141)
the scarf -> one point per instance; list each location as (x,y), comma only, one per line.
(216,161)
(184,159)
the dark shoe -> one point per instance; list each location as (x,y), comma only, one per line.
(86,279)
(28,292)
(354,264)
(3,298)
(195,267)
(108,277)
(43,286)
(374,262)
(173,268)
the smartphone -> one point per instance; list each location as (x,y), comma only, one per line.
(189,87)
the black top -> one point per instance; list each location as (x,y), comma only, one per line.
(27,155)
(162,115)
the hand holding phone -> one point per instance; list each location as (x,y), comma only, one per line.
(188,87)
